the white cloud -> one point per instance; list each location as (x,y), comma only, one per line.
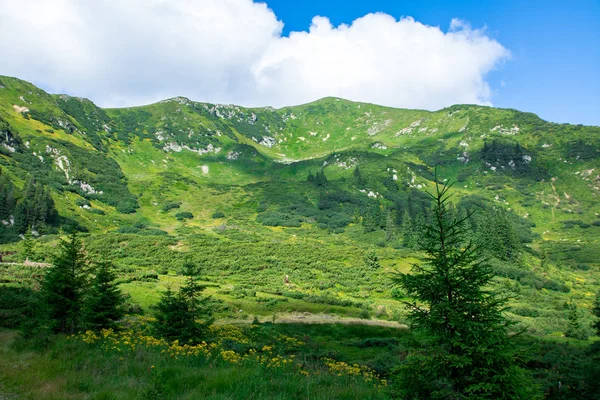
(137,51)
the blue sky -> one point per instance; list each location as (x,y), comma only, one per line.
(536,56)
(554,69)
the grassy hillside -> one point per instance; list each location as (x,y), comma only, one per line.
(228,186)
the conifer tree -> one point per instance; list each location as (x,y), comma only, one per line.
(185,315)
(574,328)
(390,225)
(62,287)
(371,260)
(28,245)
(468,351)
(360,181)
(103,302)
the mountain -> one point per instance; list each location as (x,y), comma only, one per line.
(267,184)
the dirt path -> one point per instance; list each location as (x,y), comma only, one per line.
(308,318)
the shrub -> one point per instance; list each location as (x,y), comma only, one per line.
(171,205)
(181,216)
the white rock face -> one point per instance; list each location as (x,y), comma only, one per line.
(87,188)
(268,141)
(379,145)
(233,155)
(209,149)
(506,131)
(326,137)
(172,146)
(527,159)
(464,157)
(20,109)
(204,169)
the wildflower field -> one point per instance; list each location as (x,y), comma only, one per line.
(252,361)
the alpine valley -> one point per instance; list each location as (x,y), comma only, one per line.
(299,216)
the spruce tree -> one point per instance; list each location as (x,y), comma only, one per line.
(574,328)
(103,302)
(467,352)
(408,237)
(62,287)
(28,246)
(371,260)
(360,181)
(390,225)
(184,315)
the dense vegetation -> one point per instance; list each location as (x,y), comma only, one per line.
(293,215)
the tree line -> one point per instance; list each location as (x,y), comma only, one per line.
(79,294)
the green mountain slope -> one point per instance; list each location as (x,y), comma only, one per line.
(239,176)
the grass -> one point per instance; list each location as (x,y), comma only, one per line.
(245,262)
(74,369)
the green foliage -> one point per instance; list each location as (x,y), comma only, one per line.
(596,312)
(34,209)
(62,289)
(103,304)
(185,315)
(171,205)
(372,261)
(274,218)
(467,352)
(16,305)
(181,216)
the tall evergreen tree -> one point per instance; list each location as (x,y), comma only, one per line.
(320,178)
(184,315)
(468,352)
(103,302)
(358,178)
(62,287)
(390,225)
(574,328)
(28,245)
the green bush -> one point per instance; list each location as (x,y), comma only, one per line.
(184,215)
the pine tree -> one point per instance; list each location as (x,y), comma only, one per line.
(468,352)
(103,302)
(28,245)
(371,260)
(574,328)
(62,287)
(408,234)
(21,221)
(185,315)
(360,181)
(310,177)
(390,225)
(320,178)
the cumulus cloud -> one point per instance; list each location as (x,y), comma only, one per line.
(122,53)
